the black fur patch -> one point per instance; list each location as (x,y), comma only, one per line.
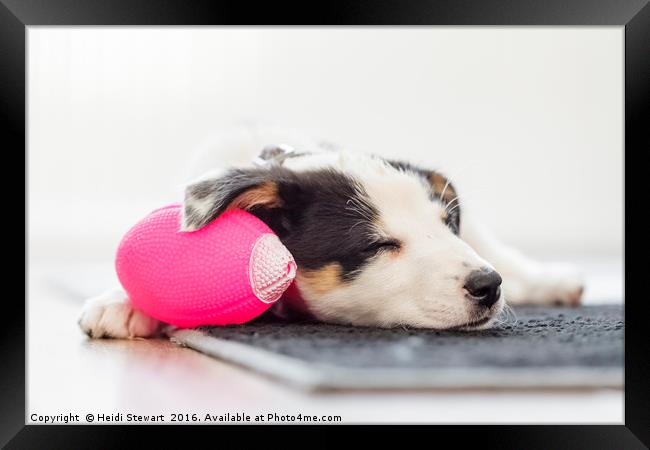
(323,217)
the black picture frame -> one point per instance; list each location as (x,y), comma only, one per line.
(633,15)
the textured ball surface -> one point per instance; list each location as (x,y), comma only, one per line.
(228,272)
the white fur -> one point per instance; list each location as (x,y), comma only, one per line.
(111,315)
(240,146)
(524,280)
(421,286)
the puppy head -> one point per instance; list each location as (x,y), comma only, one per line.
(376,242)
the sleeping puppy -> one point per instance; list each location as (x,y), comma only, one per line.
(377,242)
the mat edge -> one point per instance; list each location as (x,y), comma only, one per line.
(314,376)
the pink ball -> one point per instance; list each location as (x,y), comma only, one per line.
(228,272)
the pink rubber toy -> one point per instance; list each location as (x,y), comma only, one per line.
(228,272)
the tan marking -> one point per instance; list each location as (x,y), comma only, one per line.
(320,281)
(438,182)
(264,194)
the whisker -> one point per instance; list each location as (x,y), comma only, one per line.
(507,316)
(511,312)
(451,201)
(442,195)
(457,205)
(359,207)
(356,224)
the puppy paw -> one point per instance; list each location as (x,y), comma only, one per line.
(111,315)
(546,284)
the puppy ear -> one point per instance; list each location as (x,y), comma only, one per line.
(246,189)
(441,186)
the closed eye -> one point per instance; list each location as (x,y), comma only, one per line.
(383,245)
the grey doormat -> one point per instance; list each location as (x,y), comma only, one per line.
(543,347)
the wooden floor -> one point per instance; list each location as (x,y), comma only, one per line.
(70,374)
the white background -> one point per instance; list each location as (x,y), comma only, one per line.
(529,121)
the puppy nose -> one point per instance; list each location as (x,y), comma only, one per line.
(483,286)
